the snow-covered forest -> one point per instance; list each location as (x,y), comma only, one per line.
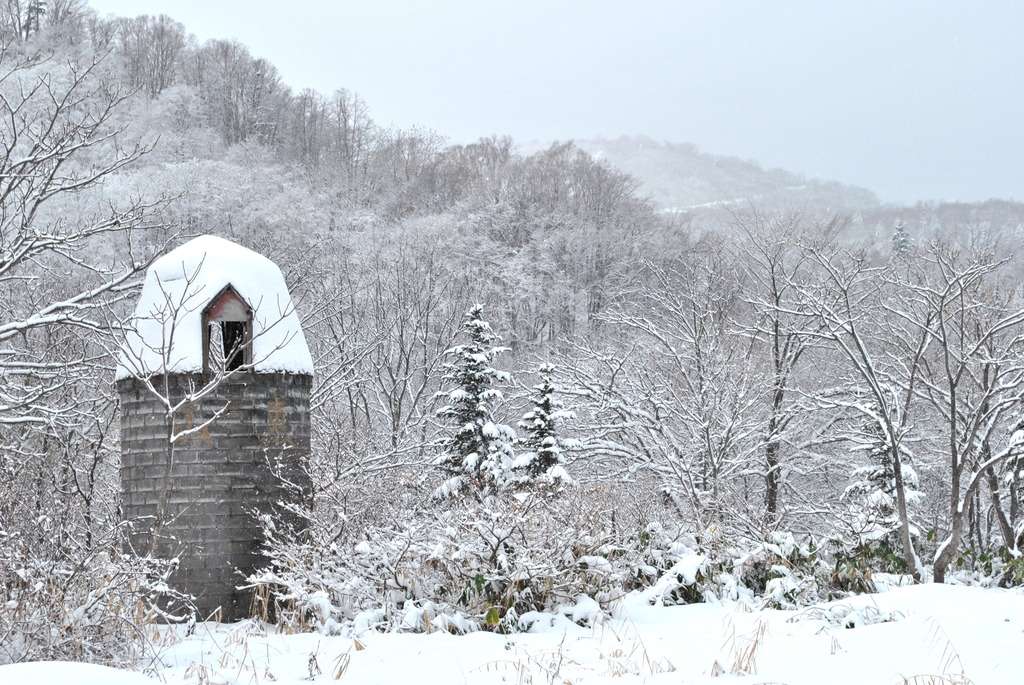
(539,385)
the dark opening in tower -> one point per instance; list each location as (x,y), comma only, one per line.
(227,333)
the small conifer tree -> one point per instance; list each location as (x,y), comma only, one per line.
(478,455)
(901,242)
(542,456)
(872,489)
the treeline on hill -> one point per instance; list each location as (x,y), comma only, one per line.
(756,408)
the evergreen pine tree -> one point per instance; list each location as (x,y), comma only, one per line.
(544,455)
(478,455)
(872,489)
(901,242)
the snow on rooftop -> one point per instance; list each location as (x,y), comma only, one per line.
(165,334)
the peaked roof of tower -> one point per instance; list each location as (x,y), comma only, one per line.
(165,334)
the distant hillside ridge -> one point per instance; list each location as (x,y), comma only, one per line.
(680,178)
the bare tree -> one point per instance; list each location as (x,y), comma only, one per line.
(973,379)
(775,262)
(386,316)
(153,50)
(674,395)
(65,261)
(351,132)
(849,309)
(245,98)
(19,19)
(58,139)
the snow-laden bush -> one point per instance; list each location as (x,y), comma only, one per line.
(91,608)
(472,566)
(777,573)
(862,549)
(513,562)
(845,616)
(989,566)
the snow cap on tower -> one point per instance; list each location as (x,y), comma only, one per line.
(209,304)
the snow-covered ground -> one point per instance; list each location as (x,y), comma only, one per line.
(909,634)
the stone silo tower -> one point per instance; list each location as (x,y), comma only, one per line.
(214,380)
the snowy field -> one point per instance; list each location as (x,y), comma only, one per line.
(923,634)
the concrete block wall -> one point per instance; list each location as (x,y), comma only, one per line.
(195,499)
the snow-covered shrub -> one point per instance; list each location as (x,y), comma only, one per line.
(860,552)
(854,566)
(655,550)
(1010,571)
(67,589)
(994,566)
(470,566)
(845,616)
(777,572)
(513,562)
(91,607)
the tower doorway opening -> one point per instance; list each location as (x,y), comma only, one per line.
(227,333)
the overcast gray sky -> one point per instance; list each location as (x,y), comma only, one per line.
(914,100)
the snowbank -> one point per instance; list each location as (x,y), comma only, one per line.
(165,334)
(65,672)
(924,633)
